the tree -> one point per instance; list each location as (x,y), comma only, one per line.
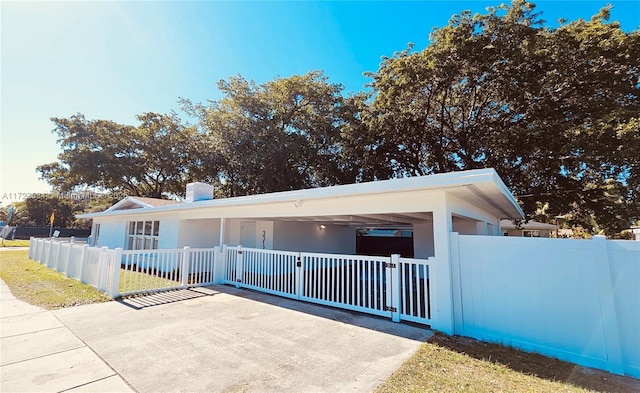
(281,135)
(555,111)
(36,210)
(155,158)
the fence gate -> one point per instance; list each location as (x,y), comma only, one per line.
(394,287)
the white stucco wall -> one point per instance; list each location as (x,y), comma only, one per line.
(423,240)
(112,232)
(198,233)
(465,226)
(308,236)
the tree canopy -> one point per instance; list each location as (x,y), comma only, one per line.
(554,110)
(280,135)
(152,159)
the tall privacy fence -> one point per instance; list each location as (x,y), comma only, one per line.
(578,300)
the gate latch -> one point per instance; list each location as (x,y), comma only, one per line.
(298,262)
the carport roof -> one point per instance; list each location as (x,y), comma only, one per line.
(482,188)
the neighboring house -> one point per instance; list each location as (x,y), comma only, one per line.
(635,230)
(529,229)
(316,220)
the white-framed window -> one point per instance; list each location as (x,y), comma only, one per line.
(143,235)
(530,233)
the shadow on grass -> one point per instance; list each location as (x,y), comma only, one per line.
(538,365)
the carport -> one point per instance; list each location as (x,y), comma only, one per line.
(326,219)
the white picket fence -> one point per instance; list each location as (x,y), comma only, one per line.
(120,272)
(393,287)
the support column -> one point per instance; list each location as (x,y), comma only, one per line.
(222,222)
(442,288)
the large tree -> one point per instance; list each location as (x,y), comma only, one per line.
(154,159)
(280,135)
(555,111)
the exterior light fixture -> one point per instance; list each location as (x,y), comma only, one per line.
(322,226)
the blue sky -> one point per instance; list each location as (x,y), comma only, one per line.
(113,60)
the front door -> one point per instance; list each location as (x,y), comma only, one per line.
(248,234)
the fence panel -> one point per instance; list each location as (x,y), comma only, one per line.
(415,290)
(120,272)
(147,271)
(352,282)
(201,266)
(267,271)
(74,260)
(91,268)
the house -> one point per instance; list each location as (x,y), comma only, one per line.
(572,299)
(314,220)
(528,229)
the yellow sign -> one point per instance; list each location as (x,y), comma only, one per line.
(53,217)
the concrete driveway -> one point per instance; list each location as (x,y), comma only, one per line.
(220,339)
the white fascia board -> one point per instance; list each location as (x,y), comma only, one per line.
(440,181)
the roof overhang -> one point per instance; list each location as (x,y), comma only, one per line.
(402,201)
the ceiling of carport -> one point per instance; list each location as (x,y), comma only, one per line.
(362,220)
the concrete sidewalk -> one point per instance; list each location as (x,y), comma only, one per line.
(38,353)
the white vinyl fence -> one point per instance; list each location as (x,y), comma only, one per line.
(126,272)
(393,287)
(578,300)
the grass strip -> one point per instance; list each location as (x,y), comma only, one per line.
(38,285)
(459,364)
(14,243)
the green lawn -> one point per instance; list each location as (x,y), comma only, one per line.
(458,364)
(38,285)
(14,243)
(135,281)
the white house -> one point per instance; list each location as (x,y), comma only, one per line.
(528,229)
(314,220)
(573,299)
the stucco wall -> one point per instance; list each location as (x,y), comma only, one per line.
(198,233)
(112,232)
(423,240)
(465,226)
(308,236)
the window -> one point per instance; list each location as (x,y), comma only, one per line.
(143,235)
(531,233)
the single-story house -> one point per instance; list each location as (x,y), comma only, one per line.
(528,229)
(314,220)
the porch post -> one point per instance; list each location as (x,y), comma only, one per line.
(442,288)
(221,232)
